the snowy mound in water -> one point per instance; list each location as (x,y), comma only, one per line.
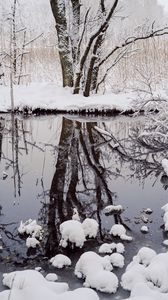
(147,275)
(120,231)
(90,227)
(76,232)
(30,227)
(60,261)
(113,209)
(31,285)
(72,231)
(96,272)
(165,165)
(165,216)
(32,242)
(109,248)
(117,260)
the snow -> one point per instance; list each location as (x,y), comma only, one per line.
(51,277)
(109,248)
(113,209)
(59,261)
(48,95)
(165,165)
(120,231)
(72,231)
(96,272)
(30,227)
(90,227)
(30,284)
(165,242)
(165,216)
(75,215)
(145,229)
(147,275)
(32,242)
(117,260)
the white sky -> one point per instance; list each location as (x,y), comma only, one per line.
(164,3)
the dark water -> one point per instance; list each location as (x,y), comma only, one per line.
(50,165)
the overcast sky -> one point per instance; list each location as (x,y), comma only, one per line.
(164,3)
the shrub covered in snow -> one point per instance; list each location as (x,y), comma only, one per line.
(120,231)
(96,272)
(59,261)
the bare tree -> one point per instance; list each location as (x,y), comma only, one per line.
(82,55)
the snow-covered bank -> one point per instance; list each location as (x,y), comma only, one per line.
(49,96)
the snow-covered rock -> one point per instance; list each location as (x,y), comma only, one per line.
(75,215)
(117,260)
(32,242)
(133,275)
(30,227)
(90,227)
(165,243)
(59,261)
(51,277)
(144,229)
(113,209)
(109,248)
(120,231)
(96,272)
(165,165)
(30,284)
(72,231)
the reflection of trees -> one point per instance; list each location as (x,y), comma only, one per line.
(80,179)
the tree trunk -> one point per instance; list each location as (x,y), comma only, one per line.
(59,12)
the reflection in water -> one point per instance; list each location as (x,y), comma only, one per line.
(89,157)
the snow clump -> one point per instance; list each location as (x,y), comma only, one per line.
(30,284)
(59,261)
(117,260)
(96,272)
(165,165)
(109,248)
(72,231)
(120,231)
(30,227)
(32,242)
(144,229)
(90,227)
(113,209)
(51,277)
(165,216)
(147,275)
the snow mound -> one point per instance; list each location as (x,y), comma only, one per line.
(30,284)
(59,261)
(32,242)
(96,272)
(72,231)
(165,165)
(30,227)
(144,229)
(51,277)
(75,215)
(120,231)
(147,275)
(90,227)
(165,216)
(113,209)
(117,260)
